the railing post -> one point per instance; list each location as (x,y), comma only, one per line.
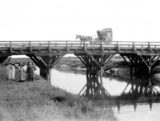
(67,46)
(142,48)
(155,48)
(85,48)
(149,46)
(102,47)
(30,49)
(49,46)
(117,44)
(133,46)
(10,46)
(40,46)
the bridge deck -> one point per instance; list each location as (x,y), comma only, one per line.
(46,54)
(76,47)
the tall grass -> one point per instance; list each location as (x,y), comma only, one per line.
(36,101)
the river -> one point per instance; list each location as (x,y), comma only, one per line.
(73,83)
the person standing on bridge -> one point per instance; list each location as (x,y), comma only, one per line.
(30,71)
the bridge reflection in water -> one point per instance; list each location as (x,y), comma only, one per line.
(141,58)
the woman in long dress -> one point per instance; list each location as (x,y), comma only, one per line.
(22,73)
(30,71)
(17,73)
(11,71)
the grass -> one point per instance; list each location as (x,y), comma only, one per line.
(37,101)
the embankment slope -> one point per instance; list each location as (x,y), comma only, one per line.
(39,101)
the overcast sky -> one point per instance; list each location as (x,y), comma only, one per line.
(131,20)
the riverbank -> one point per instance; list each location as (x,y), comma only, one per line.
(39,101)
(119,69)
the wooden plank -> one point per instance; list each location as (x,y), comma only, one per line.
(101,76)
(126,60)
(107,60)
(55,61)
(97,63)
(145,62)
(35,61)
(40,60)
(155,61)
(82,89)
(75,47)
(81,59)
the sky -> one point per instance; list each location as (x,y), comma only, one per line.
(130,20)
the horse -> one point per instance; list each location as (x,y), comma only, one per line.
(105,35)
(85,39)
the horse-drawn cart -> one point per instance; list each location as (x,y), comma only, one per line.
(103,36)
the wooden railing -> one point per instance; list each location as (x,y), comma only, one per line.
(70,44)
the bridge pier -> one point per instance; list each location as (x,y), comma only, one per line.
(95,66)
(141,77)
(45,64)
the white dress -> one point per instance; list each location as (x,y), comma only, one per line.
(11,72)
(22,74)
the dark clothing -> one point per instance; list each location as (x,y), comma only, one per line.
(30,72)
(17,76)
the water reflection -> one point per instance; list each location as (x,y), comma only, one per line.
(69,81)
(73,82)
(142,113)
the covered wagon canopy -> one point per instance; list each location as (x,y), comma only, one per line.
(105,35)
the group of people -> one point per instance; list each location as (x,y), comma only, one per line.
(19,73)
